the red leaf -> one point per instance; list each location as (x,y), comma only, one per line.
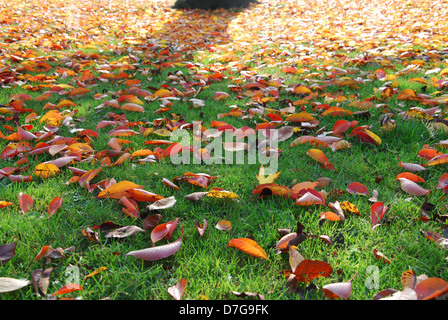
(68,288)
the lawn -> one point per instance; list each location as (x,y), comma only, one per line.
(97,203)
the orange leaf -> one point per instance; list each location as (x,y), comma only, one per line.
(117,190)
(248,246)
(79,92)
(317,155)
(340,126)
(4,204)
(42,252)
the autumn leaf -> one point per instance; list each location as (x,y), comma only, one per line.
(46,170)
(54,206)
(118,190)
(71,287)
(158,252)
(309,270)
(412,188)
(248,246)
(177,291)
(7,251)
(8,284)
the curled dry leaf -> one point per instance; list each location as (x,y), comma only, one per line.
(91,235)
(41,280)
(295,258)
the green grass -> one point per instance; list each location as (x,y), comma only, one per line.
(212,269)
